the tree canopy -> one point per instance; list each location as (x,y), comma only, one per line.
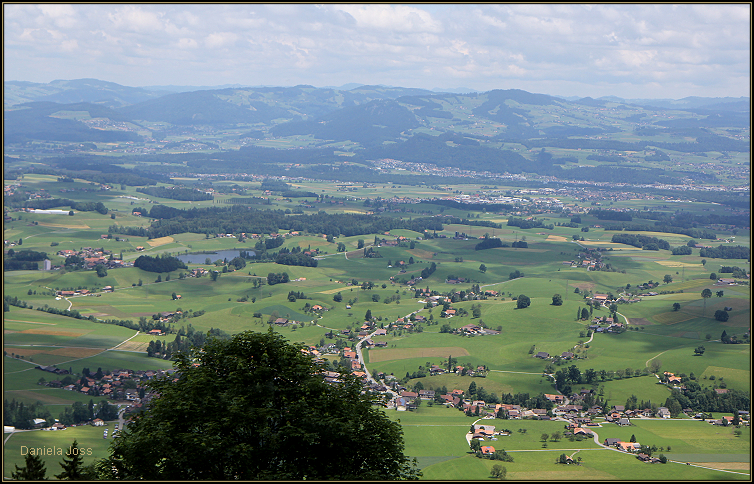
(523,302)
(254,407)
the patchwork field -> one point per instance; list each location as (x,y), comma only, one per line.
(161,241)
(435,435)
(376,356)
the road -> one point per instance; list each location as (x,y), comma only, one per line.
(360,356)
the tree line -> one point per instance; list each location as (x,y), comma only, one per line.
(176,193)
(237,219)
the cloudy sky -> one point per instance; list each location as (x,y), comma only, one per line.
(631,51)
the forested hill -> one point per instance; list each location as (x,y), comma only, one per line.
(320,129)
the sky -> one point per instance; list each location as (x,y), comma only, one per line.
(631,51)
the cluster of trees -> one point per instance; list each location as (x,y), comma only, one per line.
(528,224)
(500,455)
(527,400)
(160,263)
(98,207)
(23,260)
(277,278)
(428,271)
(185,339)
(728,339)
(294,295)
(737,272)
(176,193)
(633,403)
(21,200)
(236,219)
(662,227)
(21,416)
(725,252)
(295,259)
(370,253)
(80,413)
(644,241)
(515,274)
(682,250)
(708,400)
(490,243)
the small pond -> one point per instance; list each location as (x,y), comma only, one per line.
(220,254)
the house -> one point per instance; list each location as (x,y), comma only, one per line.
(450,400)
(623,422)
(555,398)
(487,449)
(628,446)
(542,354)
(484,429)
(566,355)
(663,412)
(427,394)
(98,422)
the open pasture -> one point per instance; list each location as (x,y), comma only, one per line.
(88,437)
(379,355)
(434,434)
(646,388)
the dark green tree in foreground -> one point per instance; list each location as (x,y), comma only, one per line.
(34,471)
(557,300)
(72,464)
(255,408)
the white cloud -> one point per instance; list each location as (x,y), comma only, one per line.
(133,18)
(220,39)
(562,47)
(393,18)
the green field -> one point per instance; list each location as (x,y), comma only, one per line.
(657,333)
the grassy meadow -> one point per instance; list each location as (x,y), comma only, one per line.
(434,435)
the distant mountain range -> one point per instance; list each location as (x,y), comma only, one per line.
(408,124)
(116,95)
